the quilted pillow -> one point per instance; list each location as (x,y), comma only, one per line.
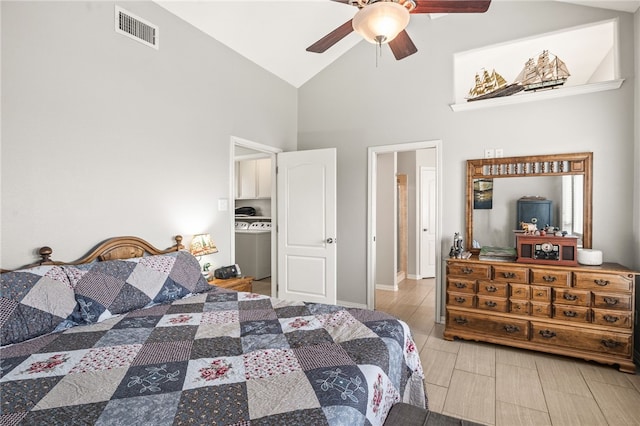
(113,287)
(35,301)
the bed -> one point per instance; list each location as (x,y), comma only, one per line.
(131,334)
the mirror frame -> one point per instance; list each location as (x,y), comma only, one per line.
(529,166)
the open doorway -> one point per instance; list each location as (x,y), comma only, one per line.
(394,160)
(253,242)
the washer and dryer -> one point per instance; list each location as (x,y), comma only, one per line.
(253,248)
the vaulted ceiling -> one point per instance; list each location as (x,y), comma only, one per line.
(275,33)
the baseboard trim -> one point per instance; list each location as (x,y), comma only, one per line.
(386,287)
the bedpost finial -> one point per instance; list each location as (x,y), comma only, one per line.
(179,245)
(45,254)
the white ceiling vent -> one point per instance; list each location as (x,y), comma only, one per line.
(136,28)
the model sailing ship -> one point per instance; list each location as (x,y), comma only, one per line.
(491,86)
(546,73)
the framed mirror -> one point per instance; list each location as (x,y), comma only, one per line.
(552,190)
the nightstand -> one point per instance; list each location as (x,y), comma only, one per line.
(237,284)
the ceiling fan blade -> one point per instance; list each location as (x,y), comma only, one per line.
(451,6)
(332,38)
(402,46)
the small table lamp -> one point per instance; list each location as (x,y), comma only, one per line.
(202,245)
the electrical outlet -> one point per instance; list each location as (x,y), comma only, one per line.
(499,152)
(489,153)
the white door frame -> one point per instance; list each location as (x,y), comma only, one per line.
(372,153)
(272,152)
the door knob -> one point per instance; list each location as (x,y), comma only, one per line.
(330,240)
(425,229)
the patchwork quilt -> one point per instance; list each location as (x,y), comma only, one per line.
(218,357)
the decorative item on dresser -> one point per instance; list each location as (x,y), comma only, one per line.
(583,311)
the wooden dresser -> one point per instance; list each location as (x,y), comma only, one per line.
(237,284)
(580,311)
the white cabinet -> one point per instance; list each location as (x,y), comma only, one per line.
(253,179)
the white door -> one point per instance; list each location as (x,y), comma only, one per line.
(306,187)
(427,222)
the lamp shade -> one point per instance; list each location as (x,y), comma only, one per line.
(381,22)
(201,244)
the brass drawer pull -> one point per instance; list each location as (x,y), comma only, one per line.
(610,300)
(541,293)
(467,270)
(460,285)
(570,314)
(491,303)
(549,278)
(508,274)
(461,299)
(491,288)
(601,283)
(610,318)
(460,320)
(511,328)
(609,343)
(568,296)
(547,334)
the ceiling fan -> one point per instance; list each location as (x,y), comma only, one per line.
(394,17)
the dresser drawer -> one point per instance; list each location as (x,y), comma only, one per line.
(606,282)
(590,340)
(612,301)
(461,299)
(612,318)
(540,294)
(490,288)
(469,270)
(520,307)
(482,323)
(572,313)
(510,274)
(520,291)
(572,297)
(551,277)
(541,309)
(493,304)
(459,285)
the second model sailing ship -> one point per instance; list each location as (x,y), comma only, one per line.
(545,73)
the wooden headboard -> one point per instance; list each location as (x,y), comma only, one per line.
(110,249)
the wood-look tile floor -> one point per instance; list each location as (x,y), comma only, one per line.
(502,386)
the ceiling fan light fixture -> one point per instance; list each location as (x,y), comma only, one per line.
(381,22)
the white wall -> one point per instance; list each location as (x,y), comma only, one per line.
(407,166)
(103,136)
(406,101)
(385,221)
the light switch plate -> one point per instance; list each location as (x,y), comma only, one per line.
(223,204)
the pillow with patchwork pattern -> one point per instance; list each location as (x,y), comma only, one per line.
(34,301)
(103,289)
